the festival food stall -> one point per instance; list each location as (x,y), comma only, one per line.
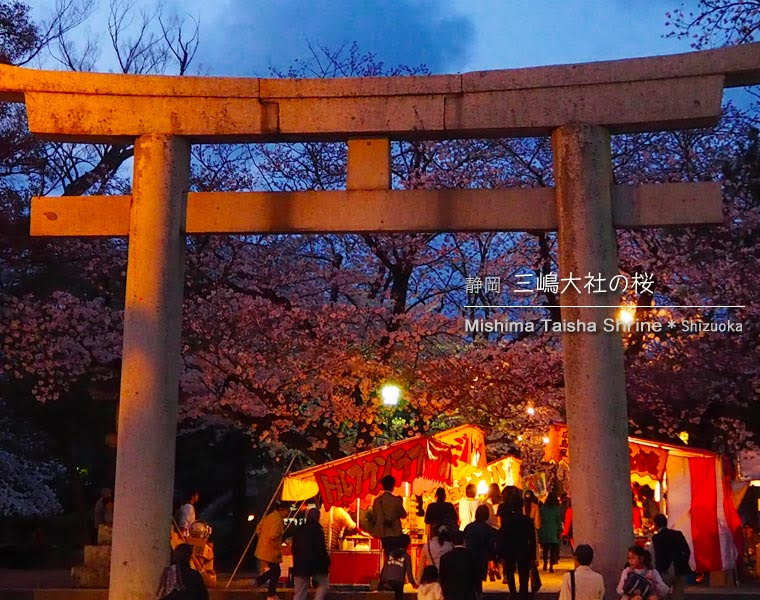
(420,464)
(470,465)
(691,489)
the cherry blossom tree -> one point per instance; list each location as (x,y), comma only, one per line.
(288,338)
(715,23)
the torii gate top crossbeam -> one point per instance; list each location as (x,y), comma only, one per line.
(640,94)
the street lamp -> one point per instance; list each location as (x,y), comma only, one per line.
(390,393)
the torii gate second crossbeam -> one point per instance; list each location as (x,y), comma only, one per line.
(578,105)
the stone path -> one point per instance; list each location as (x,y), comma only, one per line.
(56,584)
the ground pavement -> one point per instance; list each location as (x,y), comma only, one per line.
(56,585)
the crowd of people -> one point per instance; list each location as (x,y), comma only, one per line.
(462,549)
(510,531)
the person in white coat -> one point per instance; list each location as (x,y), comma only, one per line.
(187,512)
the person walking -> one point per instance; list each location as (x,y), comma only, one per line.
(468,505)
(388,510)
(269,547)
(480,539)
(180,581)
(440,513)
(583,583)
(310,558)
(492,501)
(458,572)
(397,568)
(531,508)
(567,523)
(550,530)
(671,556)
(436,546)
(516,541)
(430,586)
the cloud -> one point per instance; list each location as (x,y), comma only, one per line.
(244,38)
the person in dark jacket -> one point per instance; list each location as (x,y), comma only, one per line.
(388,510)
(480,539)
(310,558)
(180,581)
(440,513)
(516,541)
(397,569)
(671,556)
(459,574)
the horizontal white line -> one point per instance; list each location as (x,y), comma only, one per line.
(604,306)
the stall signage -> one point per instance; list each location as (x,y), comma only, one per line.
(342,484)
(557,450)
(645,460)
(469,444)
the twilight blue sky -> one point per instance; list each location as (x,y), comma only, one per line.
(245,37)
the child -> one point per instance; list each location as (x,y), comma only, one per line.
(397,568)
(638,581)
(583,583)
(429,588)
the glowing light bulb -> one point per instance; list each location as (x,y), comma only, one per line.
(390,394)
(627,315)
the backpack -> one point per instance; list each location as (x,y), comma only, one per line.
(394,569)
(637,585)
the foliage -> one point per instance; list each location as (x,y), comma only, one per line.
(27,475)
(716,23)
(288,338)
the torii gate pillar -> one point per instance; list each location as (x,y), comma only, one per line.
(646,94)
(595,397)
(150,366)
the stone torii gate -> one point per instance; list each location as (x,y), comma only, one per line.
(578,105)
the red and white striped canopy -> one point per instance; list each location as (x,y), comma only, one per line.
(700,506)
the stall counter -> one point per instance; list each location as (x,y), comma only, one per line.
(354,566)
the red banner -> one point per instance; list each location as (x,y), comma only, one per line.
(469,444)
(557,448)
(342,484)
(645,459)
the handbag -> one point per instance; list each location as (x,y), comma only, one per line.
(637,585)
(535,578)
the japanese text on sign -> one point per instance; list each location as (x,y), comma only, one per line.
(591,283)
